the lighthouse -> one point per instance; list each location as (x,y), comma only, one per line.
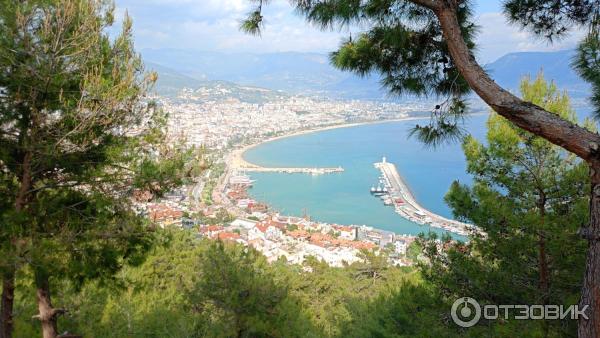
(383,160)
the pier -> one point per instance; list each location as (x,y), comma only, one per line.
(238,163)
(312,171)
(406,205)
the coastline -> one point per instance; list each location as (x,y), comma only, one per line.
(237,161)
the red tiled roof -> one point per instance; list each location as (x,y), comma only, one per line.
(161,212)
(298,234)
(262,227)
(211,228)
(228,236)
(363,245)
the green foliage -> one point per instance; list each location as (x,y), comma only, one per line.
(411,311)
(414,251)
(553,19)
(529,199)
(239,295)
(587,63)
(222,217)
(78,137)
(404,43)
(550,18)
(198,288)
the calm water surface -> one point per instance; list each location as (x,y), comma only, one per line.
(344,197)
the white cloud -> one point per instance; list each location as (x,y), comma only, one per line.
(214,25)
(497,38)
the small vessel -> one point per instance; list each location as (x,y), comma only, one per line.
(378,191)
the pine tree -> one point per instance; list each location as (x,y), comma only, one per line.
(426,47)
(529,200)
(77,136)
(239,293)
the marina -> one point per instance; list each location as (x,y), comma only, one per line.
(345,198)
(393,191)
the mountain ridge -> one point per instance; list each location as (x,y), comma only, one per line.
(312,73)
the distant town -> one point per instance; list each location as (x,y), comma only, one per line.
(218,206)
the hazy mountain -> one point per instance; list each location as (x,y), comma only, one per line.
(311,73)
(171,83)
(306,73)
(509,69)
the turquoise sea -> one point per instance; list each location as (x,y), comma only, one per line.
(344,198)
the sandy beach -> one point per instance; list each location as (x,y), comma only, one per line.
(236,158)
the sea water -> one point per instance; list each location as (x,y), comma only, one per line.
(345,198)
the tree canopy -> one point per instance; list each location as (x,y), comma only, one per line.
(78,136)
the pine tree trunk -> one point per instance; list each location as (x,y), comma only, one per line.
(8,281)
(571,137)
(590,293)
(544,276)
(47,314)
(6,311)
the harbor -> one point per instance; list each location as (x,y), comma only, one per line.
(344,198)
(394,192)
(238,163)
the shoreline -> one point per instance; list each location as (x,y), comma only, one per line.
(237,161)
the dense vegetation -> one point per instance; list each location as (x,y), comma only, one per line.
(197,288)
(79,138)
(428,47)
(529,198)
(192,287)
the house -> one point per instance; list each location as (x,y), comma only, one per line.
(264,231)
(210,231)
(243,203)
(257,207)
(300,235)
(228,236)
(346,232)
(363,245)
(165,214)
(323,240)
(400,247)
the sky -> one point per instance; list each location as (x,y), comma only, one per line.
(213,25)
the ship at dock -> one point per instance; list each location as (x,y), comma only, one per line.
(379,190)
(392,190)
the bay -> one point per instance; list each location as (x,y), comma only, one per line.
(344,198)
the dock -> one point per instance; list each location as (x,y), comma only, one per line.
(405,204)
(312,171)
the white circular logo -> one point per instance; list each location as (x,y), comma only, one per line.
(466,312)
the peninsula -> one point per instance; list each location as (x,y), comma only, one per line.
(396,193)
